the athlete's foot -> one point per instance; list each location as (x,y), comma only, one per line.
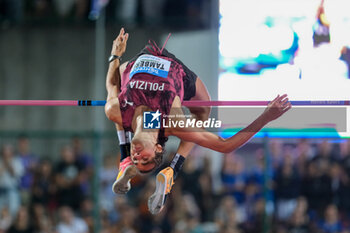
(164,182)
(127,170)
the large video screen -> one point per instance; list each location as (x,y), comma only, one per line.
(270,47)
(297,47)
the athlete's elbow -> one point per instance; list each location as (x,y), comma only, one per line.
(110,111)
(227,147)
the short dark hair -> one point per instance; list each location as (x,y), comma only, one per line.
(158,159)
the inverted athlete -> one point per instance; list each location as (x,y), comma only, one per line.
(322,27)
(155,80)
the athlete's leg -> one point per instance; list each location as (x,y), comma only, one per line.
(165,178)
(194,89)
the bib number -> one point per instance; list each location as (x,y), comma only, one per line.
(150,64)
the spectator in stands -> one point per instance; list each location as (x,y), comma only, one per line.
(86,162)
(335,174)
(255,221)
(340,187)
(304,153)
(188,224)
(276,150)
(44,188)
(86,212)
(198,182)
(186,213)
(232,222)
(80,155)
(127,221)
(29,162)
(69,223)
(233,177)
(257,171)
(189,177)
(105,223)
(299,221)
(69,177)
(261,176)
(331,222)
(107,178)
(224,210)
(324,155)
(287,188)
(11,170)
(316,187)
(22,223)
(252,197)
(206,198)
(40,219)
(115,214)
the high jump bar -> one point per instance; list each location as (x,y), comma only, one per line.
(194,103)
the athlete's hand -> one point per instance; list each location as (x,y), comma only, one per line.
(119,44)
(277,108)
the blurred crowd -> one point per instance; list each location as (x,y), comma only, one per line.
(182,14)
(300,187)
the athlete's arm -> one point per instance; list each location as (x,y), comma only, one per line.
(113,74)
(113,86)
(112,109)
(275,109)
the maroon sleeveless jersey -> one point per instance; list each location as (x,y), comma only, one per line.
(153,80)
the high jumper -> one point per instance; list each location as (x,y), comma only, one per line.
(137,86)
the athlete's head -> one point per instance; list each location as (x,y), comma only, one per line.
(146,152)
